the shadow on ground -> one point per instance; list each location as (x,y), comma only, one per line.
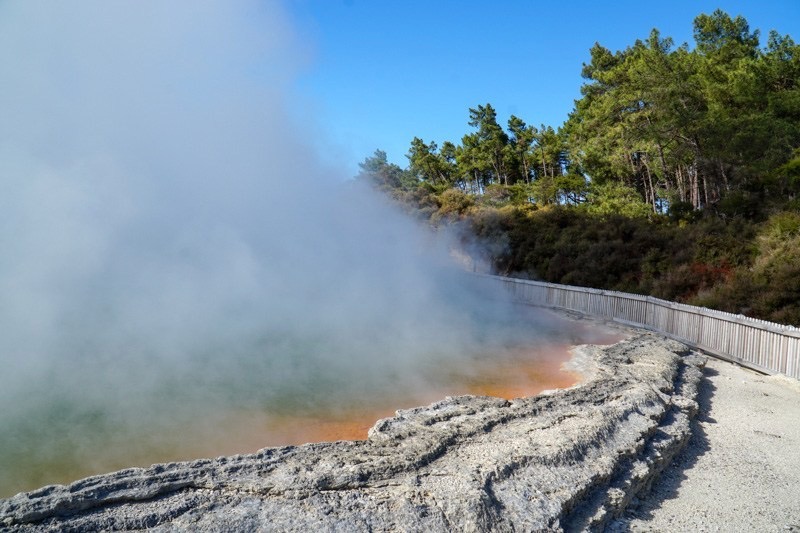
(667,485)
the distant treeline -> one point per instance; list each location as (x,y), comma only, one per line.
(677,174)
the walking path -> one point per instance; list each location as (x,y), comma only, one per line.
(741,469)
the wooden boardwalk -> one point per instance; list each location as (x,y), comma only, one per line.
(764,346)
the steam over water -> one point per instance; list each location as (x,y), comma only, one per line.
(174,255)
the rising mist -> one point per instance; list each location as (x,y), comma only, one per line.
(174,250)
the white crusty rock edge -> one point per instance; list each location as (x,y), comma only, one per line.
(567,460)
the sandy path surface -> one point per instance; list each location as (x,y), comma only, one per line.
(741,468)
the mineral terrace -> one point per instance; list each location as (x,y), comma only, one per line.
(566,460)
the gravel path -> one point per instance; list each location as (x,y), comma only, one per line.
(741,468)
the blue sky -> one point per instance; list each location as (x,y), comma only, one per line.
(383,71)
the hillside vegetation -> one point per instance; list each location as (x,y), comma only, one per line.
(677,175)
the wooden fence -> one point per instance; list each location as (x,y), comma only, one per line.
(764,346)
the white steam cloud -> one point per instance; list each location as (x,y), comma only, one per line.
(172,247)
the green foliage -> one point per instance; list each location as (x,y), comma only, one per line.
(520,146)
(648,256)
(784,181)
(491,142)
(430,165)
(690,126)
(682,212)
(452,205)
(769,286)
(778,230)
(719,34)
(740,204)
(677,174)
(379,172)
(616,199)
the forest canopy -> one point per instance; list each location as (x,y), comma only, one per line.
(676,174)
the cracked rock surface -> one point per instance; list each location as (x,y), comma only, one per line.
(568,460)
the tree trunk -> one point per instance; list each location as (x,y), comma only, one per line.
(663,161)
(544,164)
(652,195)
(724,176)
(525,169)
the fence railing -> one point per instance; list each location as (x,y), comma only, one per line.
(764,346)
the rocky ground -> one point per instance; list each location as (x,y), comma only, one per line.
(570,460)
